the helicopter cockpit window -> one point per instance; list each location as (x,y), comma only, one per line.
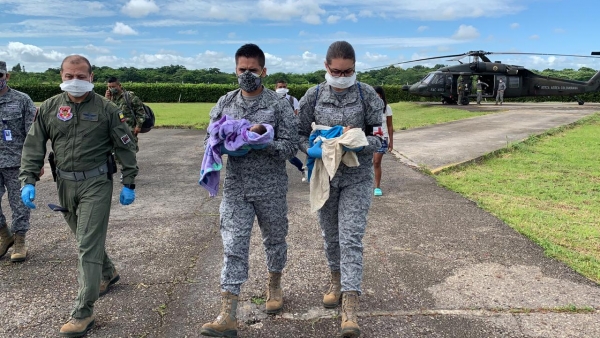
(439,79)
(428,78)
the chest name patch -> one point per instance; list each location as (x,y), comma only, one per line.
(89,117)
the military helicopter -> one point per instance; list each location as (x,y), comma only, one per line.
(519,81)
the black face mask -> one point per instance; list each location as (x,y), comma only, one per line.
(249,81)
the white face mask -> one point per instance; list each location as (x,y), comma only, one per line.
(341,82)
(282,91)
(76,87)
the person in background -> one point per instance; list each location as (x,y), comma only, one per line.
(17,112)
(500,93)
(387,144)
(282,89)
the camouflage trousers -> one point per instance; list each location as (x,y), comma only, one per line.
(343,220)
(9,180)
(237,219)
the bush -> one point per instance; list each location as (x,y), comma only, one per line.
(174,92)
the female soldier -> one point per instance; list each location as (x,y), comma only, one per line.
(343,218)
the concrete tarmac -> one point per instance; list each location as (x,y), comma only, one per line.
(435,264)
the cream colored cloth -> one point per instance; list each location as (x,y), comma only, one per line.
(325,168)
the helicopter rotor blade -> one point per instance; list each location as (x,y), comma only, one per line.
(417,60)
(549,54)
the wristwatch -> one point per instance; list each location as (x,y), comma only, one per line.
(129,186)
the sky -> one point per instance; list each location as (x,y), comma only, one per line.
(295,34)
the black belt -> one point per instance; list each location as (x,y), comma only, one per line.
(82,175)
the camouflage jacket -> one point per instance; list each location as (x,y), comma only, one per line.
(349,109)
(135,116)
(260,173)
(82,136)
(17,112)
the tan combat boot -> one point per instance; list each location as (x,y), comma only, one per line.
(274,293)
(106,283)
(19,252)
(76,327)
(332,298)
(6,240)
(350,327)
(225,325)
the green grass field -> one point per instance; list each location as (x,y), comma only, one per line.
(546,188)
(406,115)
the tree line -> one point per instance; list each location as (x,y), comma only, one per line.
(179,74)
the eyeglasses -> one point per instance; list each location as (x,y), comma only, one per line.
(338,73)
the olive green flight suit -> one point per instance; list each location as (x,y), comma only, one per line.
(82,136)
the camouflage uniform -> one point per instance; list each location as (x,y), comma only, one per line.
(500,93)
(135,116)
(479,87)
(343,218)
(255,185)
(82,135)
(17,112)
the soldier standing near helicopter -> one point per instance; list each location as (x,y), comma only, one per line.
(461,89)
(480,90)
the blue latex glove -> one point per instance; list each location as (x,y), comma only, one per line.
(353,149)
(240,152)
(315,151)
(28,195)
(258,146)
(127,196)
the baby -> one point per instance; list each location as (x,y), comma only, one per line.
(258,128)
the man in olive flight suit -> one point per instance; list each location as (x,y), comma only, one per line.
(84,128)
(255,187)
(17,112)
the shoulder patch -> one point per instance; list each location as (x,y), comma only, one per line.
(125,139)
(121,117)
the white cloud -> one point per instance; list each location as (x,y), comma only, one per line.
(309,56)
(57,8)
(534,37)
(466,32)
(34,57)
(111,40)
(422,29)
(514,25)
(139,8)
(351,17)
(375,57)
(559,31)
(188,32)
(123,29)
(333,19)
(95,49)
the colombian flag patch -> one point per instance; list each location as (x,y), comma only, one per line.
(122,117)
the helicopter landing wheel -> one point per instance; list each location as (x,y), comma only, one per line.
(580,103)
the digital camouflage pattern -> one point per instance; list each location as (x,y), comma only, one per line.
(17,112)
(343,218)
(135,116)
(255,185)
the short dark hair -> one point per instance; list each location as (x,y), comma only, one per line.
(250,50)
(380,91)
(76,59)
(112,79)
(280,81)
(340,50)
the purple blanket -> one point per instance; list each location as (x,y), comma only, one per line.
(232,134)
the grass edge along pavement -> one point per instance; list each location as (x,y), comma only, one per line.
(546,188)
